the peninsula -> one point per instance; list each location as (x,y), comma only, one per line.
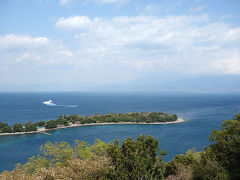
(67,121)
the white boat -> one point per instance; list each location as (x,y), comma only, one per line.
(48,102)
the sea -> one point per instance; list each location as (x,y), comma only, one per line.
(202,114)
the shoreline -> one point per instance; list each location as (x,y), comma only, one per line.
(179,120)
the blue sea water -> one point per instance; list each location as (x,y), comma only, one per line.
(202,112)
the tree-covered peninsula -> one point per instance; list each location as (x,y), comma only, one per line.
(139,159)
(71,120)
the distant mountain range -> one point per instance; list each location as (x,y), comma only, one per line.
(201,84)
(210,83)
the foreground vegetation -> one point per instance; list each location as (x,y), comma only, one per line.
(148,117)
(135,160)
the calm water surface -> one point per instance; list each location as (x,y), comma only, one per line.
(202,112)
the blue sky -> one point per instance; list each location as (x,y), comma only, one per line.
(80,45)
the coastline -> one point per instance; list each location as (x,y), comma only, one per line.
(179,120)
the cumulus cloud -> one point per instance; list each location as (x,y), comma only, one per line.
(22,41)
(22,48)
(30,59)
(73,23)
(124,47)
(186,44)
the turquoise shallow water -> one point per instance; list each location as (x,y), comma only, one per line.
(203,113)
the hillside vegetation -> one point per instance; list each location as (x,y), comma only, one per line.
(139,159)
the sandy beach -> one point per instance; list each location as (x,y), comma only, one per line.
(179,120)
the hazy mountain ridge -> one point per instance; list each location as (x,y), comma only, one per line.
(207,83)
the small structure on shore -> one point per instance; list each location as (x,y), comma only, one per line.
(40,128)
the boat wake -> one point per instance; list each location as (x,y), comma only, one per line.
(50,103)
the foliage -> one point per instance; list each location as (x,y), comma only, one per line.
(144,117)
(82,150)
(208,168)
(180,166)
(57,153)
(29,127)
(7,129)
(2,125)
(60,154)
(51,124)
(149,117)
(40,123)
(222,158)
(99,148)
(62,121)
(88,169)
(226,146)
(136,159)
(33,164)
(17,128)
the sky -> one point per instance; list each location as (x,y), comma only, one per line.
(88,45)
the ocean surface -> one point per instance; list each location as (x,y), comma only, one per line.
(202,112)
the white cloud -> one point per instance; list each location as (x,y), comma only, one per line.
(22,48)
(29,59)
(123,48)
(228,62)
(22,41)
(186,44)
(73,23)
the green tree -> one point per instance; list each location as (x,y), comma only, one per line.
(7,129)
(2,125)
(40,123)
(136,159)
(208,168)
(96,168)
(225,147)
(17,128)
(33,164)
(29,127)
(82,150)
(221,159)
(57,153)
(181,165)
(99,148)
(51,124)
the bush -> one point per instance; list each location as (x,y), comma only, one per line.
(41,123)
(51,124)
(30,127)
(17,128)
(2,125)
(7,129)
(136,159)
